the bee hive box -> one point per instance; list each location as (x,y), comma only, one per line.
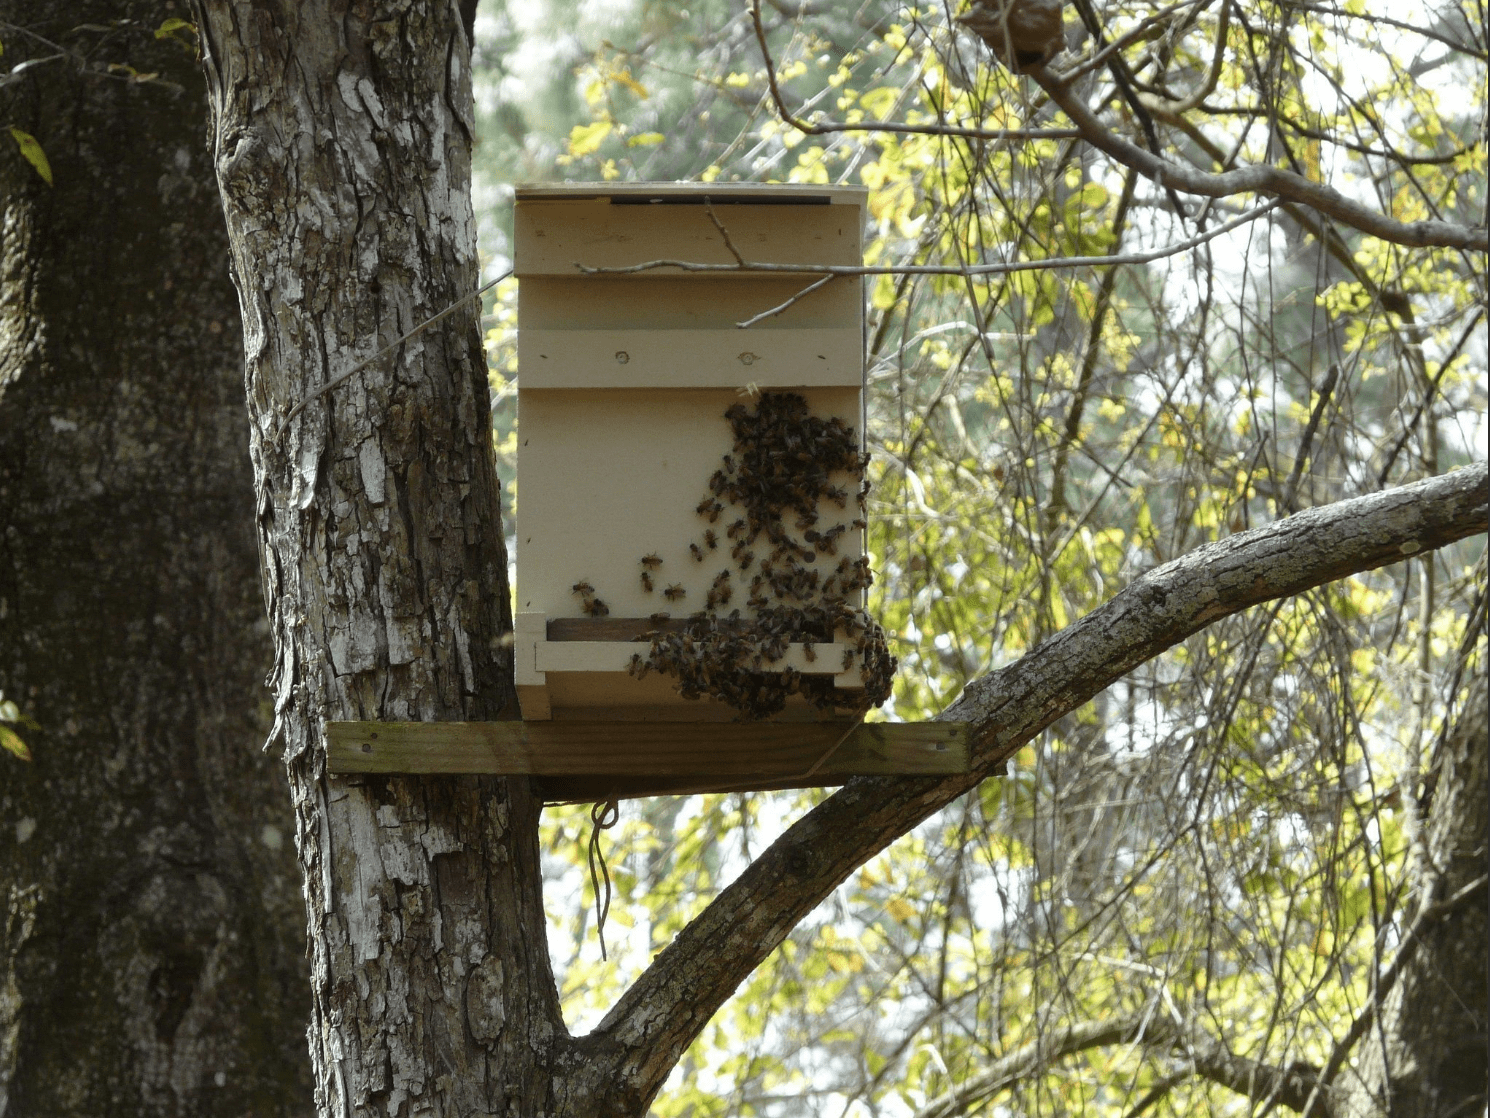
(673,463)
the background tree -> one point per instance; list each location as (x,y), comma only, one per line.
(1100,421)
(151,963)
(343,149)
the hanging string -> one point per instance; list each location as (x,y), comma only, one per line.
(603,817)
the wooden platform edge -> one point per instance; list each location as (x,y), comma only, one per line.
(690,755)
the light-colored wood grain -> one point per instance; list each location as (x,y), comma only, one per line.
(686,302)
(606,477)
(615,656)
(553,235)
(719,751)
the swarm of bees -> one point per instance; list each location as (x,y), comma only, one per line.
(782,466)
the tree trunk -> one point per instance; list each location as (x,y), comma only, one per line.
(343,145)
(1427,1058)
(153,954)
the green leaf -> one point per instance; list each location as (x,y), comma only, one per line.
(645,139)
(173,29)
(12,743)
(585,138)
(33,154)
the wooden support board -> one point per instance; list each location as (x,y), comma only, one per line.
(598,760)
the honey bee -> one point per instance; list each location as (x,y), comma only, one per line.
(697,552)
(828,543)
(639,667)
(721,592)
(595,607)
(674,593)
(711,539)
(652,561)
(584,589)
(809,653)
(848,658)
(646,582)
(746,560)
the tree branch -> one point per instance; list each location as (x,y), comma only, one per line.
(1021,1063)
(824,128)
(1292,1086)
(654,1021)
(1147,256)
(1267,181)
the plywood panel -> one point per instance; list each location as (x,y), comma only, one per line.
(555,237)
(685,303)
(615,656)
(690,358)
(608,477)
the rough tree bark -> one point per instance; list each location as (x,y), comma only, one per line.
(343,138)
(342,141)
(152,962)
(1426,1055)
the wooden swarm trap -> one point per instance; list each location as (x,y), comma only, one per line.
(691,568)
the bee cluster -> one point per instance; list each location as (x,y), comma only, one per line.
(781,470)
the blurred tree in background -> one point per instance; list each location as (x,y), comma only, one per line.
(1251,874)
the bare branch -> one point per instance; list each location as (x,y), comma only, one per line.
(828,127)
(964,270)
(723,232)
(797,298)
(1213,74)
(1405,950)
(1416,29)
(1026,1061)
(648,1029)
(1266,181)
(1292,1086)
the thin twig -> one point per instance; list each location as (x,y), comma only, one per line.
(1257,179)
(1381,478)
(337,382)
(830,270)
(797,298)
(1291,490)
(723,232)
(1085,66)
(829,127)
